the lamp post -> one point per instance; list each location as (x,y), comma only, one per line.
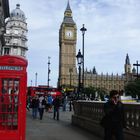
(79,61)
(83,30)
(137,65)
(70,70)
(36,79)
(49,70)
(31,82)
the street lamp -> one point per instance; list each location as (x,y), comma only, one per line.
(83,30)
(36,79)
(79,61)
(137,65)
(70,70)
(49,70)
(31,82)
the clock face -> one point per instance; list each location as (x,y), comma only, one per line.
(69,34)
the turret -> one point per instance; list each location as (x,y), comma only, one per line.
(127,65)
(94,70)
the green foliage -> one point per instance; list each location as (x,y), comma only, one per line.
(90,91)
(101,93)
(133,88)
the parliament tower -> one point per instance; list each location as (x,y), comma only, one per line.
(67,50)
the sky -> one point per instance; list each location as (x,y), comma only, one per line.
(113,30)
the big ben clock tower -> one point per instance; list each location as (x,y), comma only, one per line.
(67,50)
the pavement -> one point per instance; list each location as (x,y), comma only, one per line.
(50,129)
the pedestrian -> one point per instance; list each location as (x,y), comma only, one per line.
(70,104)
(34,105)
(42,104)
(49,103)
(64,102)
(56,104)
(114,121)
(28,103)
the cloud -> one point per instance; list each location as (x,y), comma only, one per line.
(113,30)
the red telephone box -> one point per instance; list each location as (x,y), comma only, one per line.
(13,85)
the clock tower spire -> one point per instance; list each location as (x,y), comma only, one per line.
(68,7)
(68,15)
(67,50)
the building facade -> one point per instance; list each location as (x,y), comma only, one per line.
(68,76)
(110,82)
(4,13)
(16,34)
(67,50)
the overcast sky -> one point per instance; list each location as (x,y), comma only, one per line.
(113,30)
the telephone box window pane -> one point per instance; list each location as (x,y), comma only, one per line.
(9,104)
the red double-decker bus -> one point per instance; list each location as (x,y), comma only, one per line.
(43,90)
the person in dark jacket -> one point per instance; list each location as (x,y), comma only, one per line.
(114,117)
(56,104)
(35,105)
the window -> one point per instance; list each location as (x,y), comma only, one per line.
(6,50)
(9,104)
(7,41)
(15,41)
(22,52)
(15,51)
(7,31)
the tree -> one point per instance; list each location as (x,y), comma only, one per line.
(101,93)
(90,91)
(133,88)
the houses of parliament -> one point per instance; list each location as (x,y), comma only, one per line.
(68,74)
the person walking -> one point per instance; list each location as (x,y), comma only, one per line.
(56,104)
(49,102)
(64,102)
(70,104)
(42,104)
(34,105)
(28,103)
(114,121)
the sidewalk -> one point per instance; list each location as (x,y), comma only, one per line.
(49,129)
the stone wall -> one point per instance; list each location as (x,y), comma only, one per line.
(88,115)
